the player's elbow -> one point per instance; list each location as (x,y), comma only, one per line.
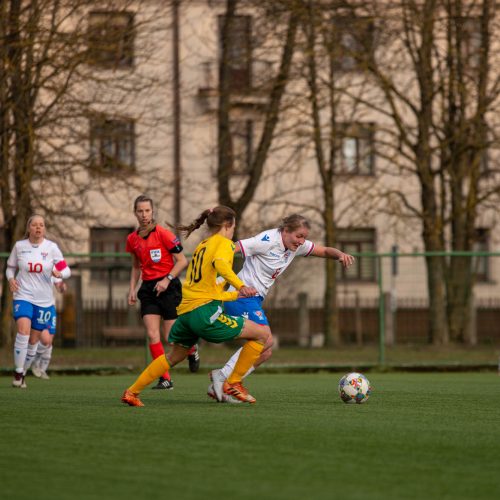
(181,259)
(66,273)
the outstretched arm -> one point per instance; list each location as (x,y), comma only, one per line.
(333,253)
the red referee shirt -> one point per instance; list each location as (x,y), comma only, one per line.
(155,252)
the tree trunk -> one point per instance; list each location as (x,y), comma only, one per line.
(438,331)
(433,242)
(330,318)
(225,156)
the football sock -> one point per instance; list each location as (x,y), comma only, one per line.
(227,369)
(229,366)
(20,351)
(39,353)
(30,356)
(45,357)
(192,350)
(248,356)
(152,372)
(156,351)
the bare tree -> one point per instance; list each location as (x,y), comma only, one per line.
(63,65)
(325,145)
(440,97)
(226,154)
(469,87)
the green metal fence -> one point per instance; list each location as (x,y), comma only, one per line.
(396,277)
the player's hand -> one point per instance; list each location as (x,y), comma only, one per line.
(161,286)
(13,285)
(61,286)
(132,297)
(247,291)
(346,260)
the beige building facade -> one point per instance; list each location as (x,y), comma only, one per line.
(140,136)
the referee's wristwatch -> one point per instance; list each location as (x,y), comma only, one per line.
(170,277)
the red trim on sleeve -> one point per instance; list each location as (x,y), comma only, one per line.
(309,253)
(242,250)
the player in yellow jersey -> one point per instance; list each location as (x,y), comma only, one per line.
(200,314)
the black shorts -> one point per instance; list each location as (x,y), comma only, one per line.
(165,304)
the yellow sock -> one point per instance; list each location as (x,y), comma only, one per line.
(248,356)
(153,371)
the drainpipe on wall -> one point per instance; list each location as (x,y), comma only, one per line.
(176,112)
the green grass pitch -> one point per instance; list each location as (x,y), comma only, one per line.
(420,436)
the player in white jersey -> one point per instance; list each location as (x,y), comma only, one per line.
(267,255)
(41,362)
(36,260)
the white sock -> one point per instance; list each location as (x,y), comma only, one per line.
(231,362)
(250,370)
(229,366)
(20,351)
(30,356)
(45,357)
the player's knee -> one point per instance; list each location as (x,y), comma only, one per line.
(264,336)
(269,342)
(265,355)
(154,336)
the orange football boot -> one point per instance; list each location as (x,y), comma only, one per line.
(238,391)
(131,399)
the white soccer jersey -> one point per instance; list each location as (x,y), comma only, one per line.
(35,264)
(266,258)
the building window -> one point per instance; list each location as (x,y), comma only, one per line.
(358,241)
(109,240)
(239,52)
(355,154)
(242,142)
(354,42)
(111,39)
(112,145)
(470,40)
(480,264)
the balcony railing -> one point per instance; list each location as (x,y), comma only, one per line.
(248,87)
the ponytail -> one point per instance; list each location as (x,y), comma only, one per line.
(214,217)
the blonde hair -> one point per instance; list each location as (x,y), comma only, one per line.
(293,222)
(30,220)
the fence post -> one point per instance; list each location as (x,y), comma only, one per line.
(357,320)
(473,320)
(389,318)
(304,333)
(81,339)
(381,315)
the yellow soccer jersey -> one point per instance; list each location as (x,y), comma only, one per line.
(212,257)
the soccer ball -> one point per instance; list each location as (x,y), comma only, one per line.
(354,388)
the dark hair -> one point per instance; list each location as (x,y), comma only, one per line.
(293,222)
(141,198)
(215,218)
(143,232)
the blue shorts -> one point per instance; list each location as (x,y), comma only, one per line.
(42,318)
(250,308)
